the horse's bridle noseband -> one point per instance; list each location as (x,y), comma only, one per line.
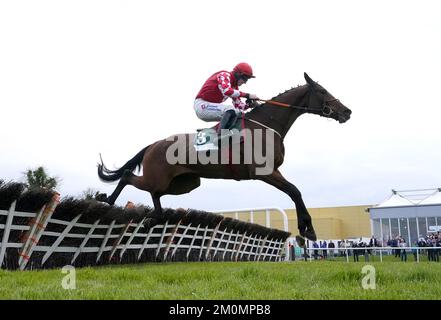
(325,104)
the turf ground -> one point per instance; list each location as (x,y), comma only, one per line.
(218,280)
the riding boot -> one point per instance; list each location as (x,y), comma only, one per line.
(227,121)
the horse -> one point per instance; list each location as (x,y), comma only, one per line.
(274,118)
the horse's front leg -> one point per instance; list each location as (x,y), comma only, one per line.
(304,220)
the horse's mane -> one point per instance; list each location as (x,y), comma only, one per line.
(278,96)
(288,91)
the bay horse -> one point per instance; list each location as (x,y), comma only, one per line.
(159,177)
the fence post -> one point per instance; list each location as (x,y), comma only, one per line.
(103,244)
(36,230)
(240,246)
(144,245)
(119,239)
(132,236)
(192,240)
(219,242)
(213,236)
(60,239)
(203,242)
(86,239)
(170,241)
(180,240)
(5,238)
(129,205)
(246,246)
(227,244)
(164,230)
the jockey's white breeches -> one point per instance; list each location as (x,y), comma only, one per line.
(210,111)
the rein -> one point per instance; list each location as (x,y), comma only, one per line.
(285,105)
(325,109)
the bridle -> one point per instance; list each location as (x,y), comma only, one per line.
(325,109)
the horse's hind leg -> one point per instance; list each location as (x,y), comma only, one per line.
(157,204)
(126,179)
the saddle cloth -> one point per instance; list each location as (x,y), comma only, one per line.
(207,138)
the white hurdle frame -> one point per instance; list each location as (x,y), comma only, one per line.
(268,211)
(214,243)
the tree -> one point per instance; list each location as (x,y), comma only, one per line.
(39,178)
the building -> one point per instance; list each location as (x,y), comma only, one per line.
(329,223)
(411,214)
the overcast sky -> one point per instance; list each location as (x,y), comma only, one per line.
(79,78)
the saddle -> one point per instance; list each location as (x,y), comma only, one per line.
(208,139)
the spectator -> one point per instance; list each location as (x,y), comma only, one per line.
(415,251)
(437,245)
(292,255)
(356,252)
(373,242)
(331,246)
(429,245)
(315,250)
(403,253)
(324,246)
(395,244)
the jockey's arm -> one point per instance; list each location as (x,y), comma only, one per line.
(224,85)
(239,104)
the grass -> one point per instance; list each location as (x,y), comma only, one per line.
(229,280)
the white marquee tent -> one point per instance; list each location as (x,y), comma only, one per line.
(411,214)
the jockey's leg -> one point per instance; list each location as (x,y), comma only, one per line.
(227,121)
(210,111)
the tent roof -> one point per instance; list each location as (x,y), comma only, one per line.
(395,200)
(412,198)
(434,198)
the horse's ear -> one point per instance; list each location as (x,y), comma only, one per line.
(308,79)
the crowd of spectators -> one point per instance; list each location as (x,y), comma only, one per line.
(329,250)
(432,240)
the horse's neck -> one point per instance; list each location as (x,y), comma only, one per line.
(281,118)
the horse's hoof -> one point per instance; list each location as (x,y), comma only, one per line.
(310,235)
(300,241)
(102,197)
(149,222)
(156,215)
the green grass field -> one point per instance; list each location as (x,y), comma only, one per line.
(244,280)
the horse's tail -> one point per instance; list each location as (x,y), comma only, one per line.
(113,175)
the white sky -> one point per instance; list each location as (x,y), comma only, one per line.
(82,77)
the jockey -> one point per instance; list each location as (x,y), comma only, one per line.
(218,88)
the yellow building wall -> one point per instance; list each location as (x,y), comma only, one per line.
(329,223)
(335,222)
